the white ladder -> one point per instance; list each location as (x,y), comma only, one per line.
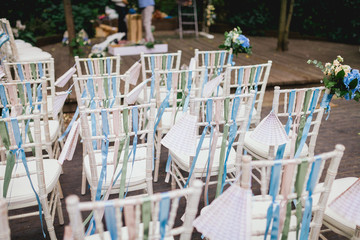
(190,18)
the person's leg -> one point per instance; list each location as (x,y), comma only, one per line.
(121,11)
(147,16)
(122,23)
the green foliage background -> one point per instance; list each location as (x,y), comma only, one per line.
(330,20)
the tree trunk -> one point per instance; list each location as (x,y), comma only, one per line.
(284,25)
(69,21)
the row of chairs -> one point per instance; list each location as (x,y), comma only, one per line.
(154,216)
(141,119)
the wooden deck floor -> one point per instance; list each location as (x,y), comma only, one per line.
(343,125)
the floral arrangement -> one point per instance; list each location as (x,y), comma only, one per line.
(340,79)
(238,42)
(210,14)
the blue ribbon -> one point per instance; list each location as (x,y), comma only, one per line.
(164,213)
(305,225)
(110,220)
(187,99)
(206,57)
(135,120)
(230,58)
(3,39)
(273,210)
(152,86)
(325,103)
(27,85)
(240,79)
(113,82)
(257,76)
(104,152)
(232,135)
(308,123)
(20,154)
(90,67)
(108,65)
(209,108)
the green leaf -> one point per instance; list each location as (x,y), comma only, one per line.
(353,84)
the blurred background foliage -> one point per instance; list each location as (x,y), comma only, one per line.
(337,21)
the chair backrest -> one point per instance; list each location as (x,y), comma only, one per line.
(24,98)
(294,179)
(215,60)
(249,77)
(104,90)
(115,125)
(4,223)
(161,208)
(303,105)
(8,49)
(86,67)
(220,114)
(15,139)
(161,61)
(26,71)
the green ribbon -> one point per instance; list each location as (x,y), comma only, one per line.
(251,78)
(146,216)
(223,147)
(300,177)
(126,153)
(10,157)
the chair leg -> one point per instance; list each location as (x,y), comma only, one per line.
(83,176)
(158,153)
(48,218)
(173,176)
(61,195)
(59,208)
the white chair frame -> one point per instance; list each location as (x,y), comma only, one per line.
(118,134)
(38,167)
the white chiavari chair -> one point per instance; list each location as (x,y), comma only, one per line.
(29,180)
(106,130)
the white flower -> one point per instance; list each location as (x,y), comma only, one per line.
(336,63)
(339,58)
(235,37)
(328,65)
(346,69)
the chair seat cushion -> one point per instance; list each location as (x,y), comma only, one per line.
(125,234)
(262,150)
(182,160)
(22,45)
(138,174)
(29,50)
(53,130)
(330,216)
(259,225)
(39,56)
(20,193)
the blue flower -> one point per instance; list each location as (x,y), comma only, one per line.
(354,74)
(244,41)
